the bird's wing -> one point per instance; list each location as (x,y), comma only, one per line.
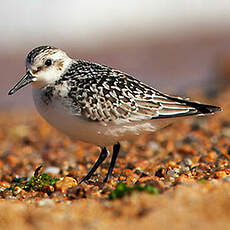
(105,94)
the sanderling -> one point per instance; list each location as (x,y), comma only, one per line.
(98,104)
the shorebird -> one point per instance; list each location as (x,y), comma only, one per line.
(98,104)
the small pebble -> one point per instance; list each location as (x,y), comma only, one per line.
(64,184)
(227,178)
(18,190)
(226,132)
(52,170)
(4,184)
(153,145)
(187,161)
(220,174)
(45,202)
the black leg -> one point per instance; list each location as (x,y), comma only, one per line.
(116,149)
(101,158)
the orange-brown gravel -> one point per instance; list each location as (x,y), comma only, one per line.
(188,163)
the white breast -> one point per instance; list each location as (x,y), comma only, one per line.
(95,132)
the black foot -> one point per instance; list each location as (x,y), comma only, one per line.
(116,149)
(101,158)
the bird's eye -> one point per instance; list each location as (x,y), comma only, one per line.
(48,62)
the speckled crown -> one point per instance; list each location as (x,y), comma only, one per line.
(32,54)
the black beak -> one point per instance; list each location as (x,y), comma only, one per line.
(28,78)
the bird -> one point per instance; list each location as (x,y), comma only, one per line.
(97,104)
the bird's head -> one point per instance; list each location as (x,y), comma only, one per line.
(44,66)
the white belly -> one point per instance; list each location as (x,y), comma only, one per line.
(95,132)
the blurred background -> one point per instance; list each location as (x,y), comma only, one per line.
(175,46)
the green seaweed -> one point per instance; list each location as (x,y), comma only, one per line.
(202,180)
(122,190)
(36,182)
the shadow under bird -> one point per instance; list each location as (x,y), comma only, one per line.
(98,104)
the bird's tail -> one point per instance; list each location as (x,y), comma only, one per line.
(201,108)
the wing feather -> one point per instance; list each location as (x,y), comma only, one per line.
(105,94)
